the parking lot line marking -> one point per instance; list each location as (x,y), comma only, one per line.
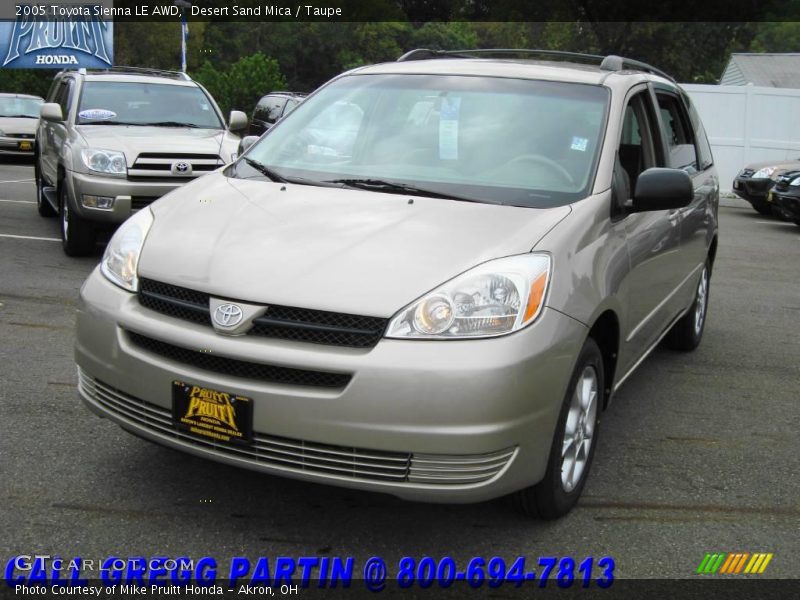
(18,201)
(18,181)
(28,237)
(777,223)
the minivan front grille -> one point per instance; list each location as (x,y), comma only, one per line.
(171,165)
(239,368)
(284,322)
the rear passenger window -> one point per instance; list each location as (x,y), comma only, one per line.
(677,132)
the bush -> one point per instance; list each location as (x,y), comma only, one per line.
(241,85)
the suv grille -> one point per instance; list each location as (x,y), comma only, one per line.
(284,322)
(239,368)
(159,164)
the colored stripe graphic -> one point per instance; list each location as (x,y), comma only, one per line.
(733,563)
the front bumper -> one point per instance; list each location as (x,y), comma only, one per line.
(129,196)
(789,204)
(752,190)
(464,421)
(16,146)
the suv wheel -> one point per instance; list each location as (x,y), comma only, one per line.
(574,442)
(42,205)
(686,334)
(77,236)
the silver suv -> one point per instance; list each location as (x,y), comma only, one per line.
(111,142)
(428,280)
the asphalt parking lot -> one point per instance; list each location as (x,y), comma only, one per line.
(698,452)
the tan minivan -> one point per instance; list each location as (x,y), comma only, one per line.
(427,280)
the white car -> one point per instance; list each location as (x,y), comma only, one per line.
(19,114)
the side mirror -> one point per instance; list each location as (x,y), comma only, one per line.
(51,111)
(246,142)
(662,189)
(237,121)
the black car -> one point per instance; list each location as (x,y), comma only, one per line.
(754,182)
(272,107)
(786,195)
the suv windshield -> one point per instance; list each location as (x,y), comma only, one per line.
(20,107)
(510,141)
(134,103)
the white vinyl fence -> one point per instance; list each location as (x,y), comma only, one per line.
(747,124)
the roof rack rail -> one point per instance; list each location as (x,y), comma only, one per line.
(141,71)
(613,62)
(607,63)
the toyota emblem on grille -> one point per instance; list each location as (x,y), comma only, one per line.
(228,315)
(181,167)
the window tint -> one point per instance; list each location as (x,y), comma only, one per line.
(703,147)
(64,96)
(677,132)
(273,107)
(636,143)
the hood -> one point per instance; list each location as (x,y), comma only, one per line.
(785,165)
(133,140)
(18,125)
(333,249)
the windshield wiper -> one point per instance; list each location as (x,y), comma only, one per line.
(172,124)
(265,170)
(391,187)
(19,116)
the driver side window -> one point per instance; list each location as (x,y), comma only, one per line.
(635,152)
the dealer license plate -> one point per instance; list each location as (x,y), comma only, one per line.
(210,414)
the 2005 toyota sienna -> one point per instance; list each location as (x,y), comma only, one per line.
(428,280)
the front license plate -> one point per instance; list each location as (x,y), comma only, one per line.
(212,414)
(25,146)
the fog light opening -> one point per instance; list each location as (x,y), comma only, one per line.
(101,202)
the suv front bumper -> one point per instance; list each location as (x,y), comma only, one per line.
(129,196)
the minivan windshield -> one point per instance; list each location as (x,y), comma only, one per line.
(485,139)
(134,103)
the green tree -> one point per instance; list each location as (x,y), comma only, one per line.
(241,85)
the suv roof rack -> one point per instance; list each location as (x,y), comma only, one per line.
(135,71)
(607,63)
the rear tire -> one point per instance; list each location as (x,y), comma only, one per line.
(77,236)
(42,204)
(686,334)
(574,442)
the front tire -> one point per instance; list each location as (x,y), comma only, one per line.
(574,442)
(686,334)
(77,236)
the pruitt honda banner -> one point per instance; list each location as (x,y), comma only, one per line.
(82,40)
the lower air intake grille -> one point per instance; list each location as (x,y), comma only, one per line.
(287,455)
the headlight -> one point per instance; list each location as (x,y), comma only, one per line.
(121,259)
(795,181)
(764,173)
(110,162)
(494,298)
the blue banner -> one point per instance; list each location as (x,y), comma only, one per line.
(80,41)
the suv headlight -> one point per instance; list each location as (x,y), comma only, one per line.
(109,162)
(121,259)
(795,181)
(494,298)
(764,173)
